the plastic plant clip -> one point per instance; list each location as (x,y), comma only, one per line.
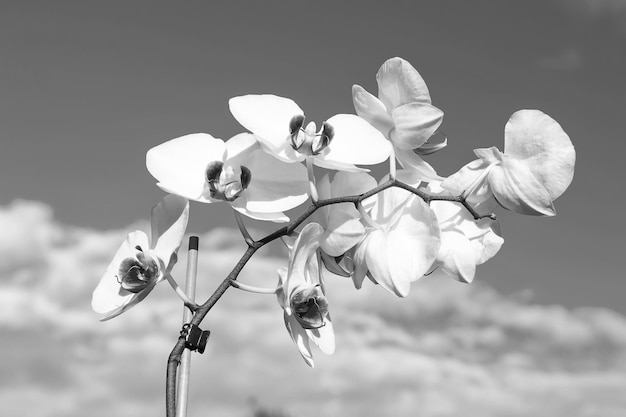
(195,337)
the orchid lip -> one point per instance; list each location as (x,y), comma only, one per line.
(224,183)
(307,141)
(137,273)
(310,307)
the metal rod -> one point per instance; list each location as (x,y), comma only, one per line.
(185,362)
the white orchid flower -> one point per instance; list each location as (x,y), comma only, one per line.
(403,112)
(301,295)
(139,264)
(465,242)
(344,140)
(400,244)
(205,169)
(536,167)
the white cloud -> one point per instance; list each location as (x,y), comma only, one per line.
(445,350)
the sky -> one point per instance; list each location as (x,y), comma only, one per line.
(86,88)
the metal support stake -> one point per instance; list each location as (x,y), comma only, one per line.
(185,362)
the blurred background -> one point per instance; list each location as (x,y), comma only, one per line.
(86,88)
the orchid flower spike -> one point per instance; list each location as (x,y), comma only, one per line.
(536,167)
(301,296)
(403,113)
(202,168)
(343,141)
(139,264)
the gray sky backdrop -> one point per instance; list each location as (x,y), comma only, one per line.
(87,87)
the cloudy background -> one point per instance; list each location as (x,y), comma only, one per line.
(87,87)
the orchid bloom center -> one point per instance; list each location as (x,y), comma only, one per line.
(307,141)
(136,273)
(226,182)
(309,306)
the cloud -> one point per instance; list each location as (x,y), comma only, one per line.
(445,350)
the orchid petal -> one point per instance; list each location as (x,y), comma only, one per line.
(108,295)
(472,182)
(285,153)
(431,148)
(356,141)
(372,109)
(537,140)
(344,230)
(456,255)
(484,235)
(488,242)
(390,206)
(324,337)
(360,261)
(404,250)
(275,186)
(180,164)
(239,148)
(337,166)
(515,188)
(490,155)
(416,235)
(414,124)
(465,177)
(324,191)
(399,83)
(343,227)
(346,184)
(271,217)
(299,337)
(378,265)
(410,160)
(331,264)
(305,246)
(169,222)
(130,302)
(266,115)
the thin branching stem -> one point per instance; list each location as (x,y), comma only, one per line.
(242,228)
(201,312)
(191,305)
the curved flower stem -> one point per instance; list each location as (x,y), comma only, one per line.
(201,312)
(251,288)
(365,216)
(392,164)
(312,186)
(189,303)
(242,228)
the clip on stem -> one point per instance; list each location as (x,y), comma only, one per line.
(195,337)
